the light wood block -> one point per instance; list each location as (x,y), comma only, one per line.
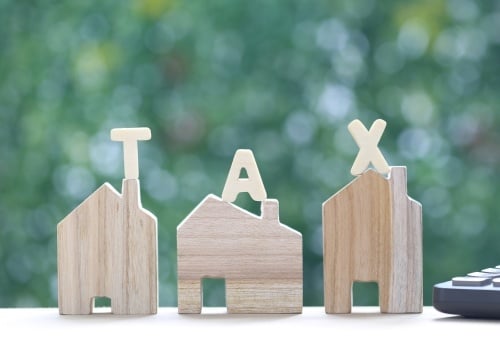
(260,258)
(107,247)
(372,231)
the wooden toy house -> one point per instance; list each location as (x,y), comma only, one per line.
(107,246)
(372,231)
(259,258)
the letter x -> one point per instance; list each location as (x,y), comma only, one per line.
(368,147)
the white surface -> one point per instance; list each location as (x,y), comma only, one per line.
(365,335)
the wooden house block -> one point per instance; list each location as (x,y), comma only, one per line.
(372,231)
(259,258)
(107,247)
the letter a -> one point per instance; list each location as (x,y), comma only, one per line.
(253,184)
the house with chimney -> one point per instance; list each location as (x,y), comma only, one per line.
(107,246)
(259,258)
(372,232)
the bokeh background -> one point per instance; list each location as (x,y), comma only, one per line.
(283,78)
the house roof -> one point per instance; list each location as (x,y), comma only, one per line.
(105,190)
(233,212)
(371,173)
(368,173)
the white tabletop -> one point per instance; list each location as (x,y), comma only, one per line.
(42,335)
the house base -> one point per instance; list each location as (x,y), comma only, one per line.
(246,296)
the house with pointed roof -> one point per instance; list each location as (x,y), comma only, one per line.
(107,247)
(372,232)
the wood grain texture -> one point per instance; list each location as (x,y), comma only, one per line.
(407,258)
(260,258)
(107,246)
(372,231)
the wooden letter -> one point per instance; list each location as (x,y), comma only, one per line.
(129,137)
(368,147)
(244,159)
(407,277)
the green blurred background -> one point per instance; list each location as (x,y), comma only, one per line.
(283,78)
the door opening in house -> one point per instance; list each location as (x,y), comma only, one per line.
(213,292)
(101,305)
(365,294)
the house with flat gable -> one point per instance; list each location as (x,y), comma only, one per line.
(259,258)
(107,246)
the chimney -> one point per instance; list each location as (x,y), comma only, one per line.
(270,210)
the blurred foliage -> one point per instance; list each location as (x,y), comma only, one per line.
(283,78)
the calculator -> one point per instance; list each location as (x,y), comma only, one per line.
(476,295)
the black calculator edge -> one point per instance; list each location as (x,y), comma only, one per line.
(472,302)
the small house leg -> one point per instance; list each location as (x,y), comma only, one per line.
(189,296)
(338,297)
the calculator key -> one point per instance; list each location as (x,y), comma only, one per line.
(483,275)
(491,270)
(496,282)
(470,281)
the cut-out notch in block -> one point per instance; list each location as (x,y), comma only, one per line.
(367,141)
(101,305)
(244,160)
(213,292)
(130,137)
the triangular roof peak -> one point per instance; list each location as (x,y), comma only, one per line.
(369,173)
(214,198)
(105,188)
